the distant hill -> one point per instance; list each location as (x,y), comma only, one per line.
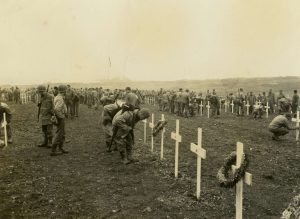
(222,86)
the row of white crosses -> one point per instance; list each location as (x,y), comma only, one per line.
(25,98)
(151,100)
(3,125)
(201,154)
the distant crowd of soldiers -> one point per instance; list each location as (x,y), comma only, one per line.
(188,103)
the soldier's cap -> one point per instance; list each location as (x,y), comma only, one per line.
(144,113)
(127,88)
(41,88)
(62,88)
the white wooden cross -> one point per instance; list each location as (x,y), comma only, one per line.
(226,106)
(201,154)
(145,130)
(267,110)
(162,139)
(232,104)
(247,105)
(259,102)
(201,108)
(239,186)
(177,137)
(151,125)
(3,125)
(208,107)
(297,120)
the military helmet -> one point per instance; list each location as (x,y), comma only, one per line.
(62,88)
(41,88)
(131,99)
(144,113)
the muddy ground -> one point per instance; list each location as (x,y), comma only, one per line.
(90,183)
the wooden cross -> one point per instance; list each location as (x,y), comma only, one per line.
(145,130)
(201,108)
(239,186)
(297,120)
(259,102)
(247,105)
(232,104)
(177,137)
(226,106)
(201,154)
(3,125)
(162,139)
(267,110)
(208,107)
(151,125)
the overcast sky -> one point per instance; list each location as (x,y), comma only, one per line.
(88,40)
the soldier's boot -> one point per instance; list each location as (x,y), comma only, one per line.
(49,142)
(108,148)
(60,147)
(132,159)
(124,158)
(54,152)
(45,143)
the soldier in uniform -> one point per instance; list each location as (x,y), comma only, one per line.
(108,113)
(45,113)
(60,110)
(123,125)
(280,126)
(271,100)
(4,108)
(295,102)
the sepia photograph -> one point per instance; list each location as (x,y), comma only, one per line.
(149,109)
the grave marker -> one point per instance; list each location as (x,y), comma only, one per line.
(239,186)
(247,105)
(177,137)
(297,120)
(201,154)
(162,139)
(151,125)
(232,104)
(3,125)
(208,107)
(267,110)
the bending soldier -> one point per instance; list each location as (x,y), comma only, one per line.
(4,108)
(123,125)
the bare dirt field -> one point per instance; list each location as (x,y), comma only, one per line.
(90,183)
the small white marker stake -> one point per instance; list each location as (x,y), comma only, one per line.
(247,105)
(267,110)
(201,154)
(201,108)
(232,104)
(239,186)
(3,125)
(297,120)
(162,139)
(208,107)
(145,130)
(226,106)
(177,137)
(151,125)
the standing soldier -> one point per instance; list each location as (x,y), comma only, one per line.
(60,110)
(271,100)
(69,96)
(252,100)
(185,103)
(215,104)
(4,108)
(123,125)
(295,102)
(45,113)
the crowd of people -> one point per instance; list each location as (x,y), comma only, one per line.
(187,103)
(121,110)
